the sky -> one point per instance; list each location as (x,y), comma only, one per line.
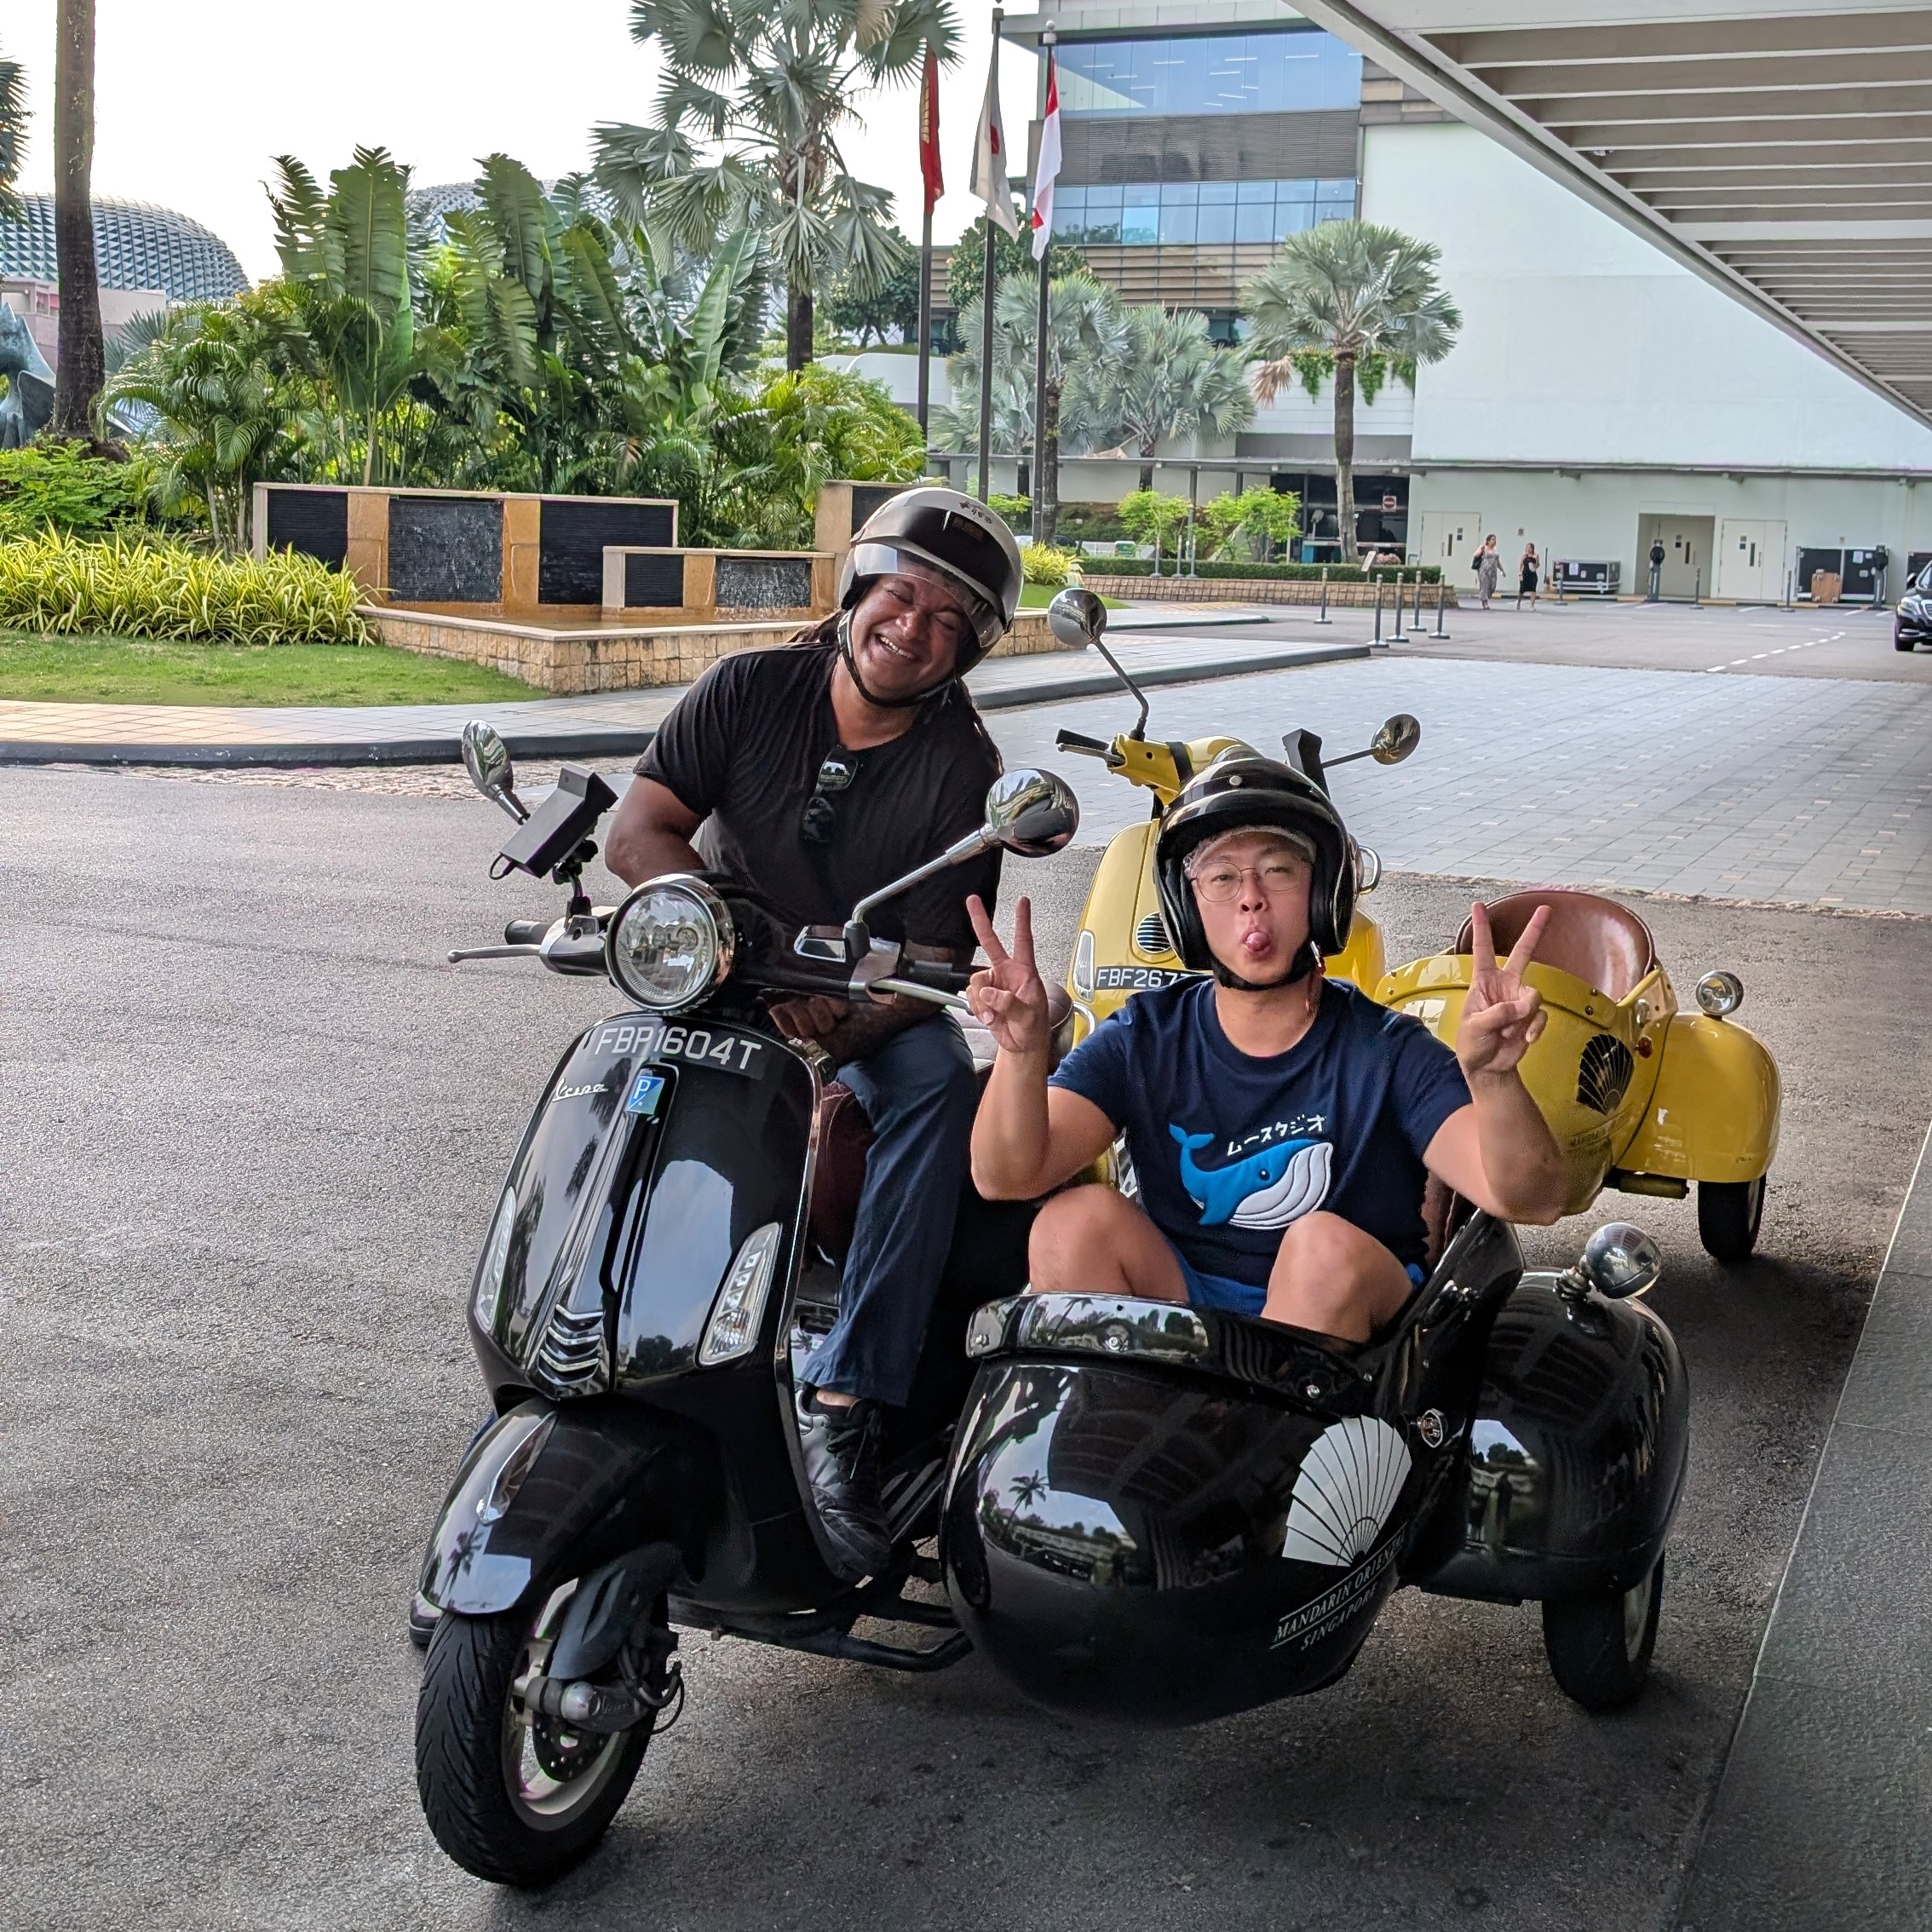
(194,98)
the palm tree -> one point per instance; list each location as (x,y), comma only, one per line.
(766,84)
(1086,327)
(13,134)
(1350,289)
(83,353)
(1171,382)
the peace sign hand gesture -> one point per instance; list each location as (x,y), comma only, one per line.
(1007,996)
(1502,1018)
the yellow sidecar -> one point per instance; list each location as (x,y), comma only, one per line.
(1640,1096)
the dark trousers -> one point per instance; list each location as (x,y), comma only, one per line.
(919,1093)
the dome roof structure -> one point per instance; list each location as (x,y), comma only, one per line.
(136,246)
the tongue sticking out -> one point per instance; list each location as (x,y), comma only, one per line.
(1257,944)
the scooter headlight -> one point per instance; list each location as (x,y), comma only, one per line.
(670,943)
(1719,993)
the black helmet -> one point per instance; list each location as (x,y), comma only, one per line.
(956,534)
(1239,790)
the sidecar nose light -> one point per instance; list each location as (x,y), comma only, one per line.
(1719,993)
(670,943)
(1083,965)
(733,1330)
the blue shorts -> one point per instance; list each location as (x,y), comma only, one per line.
(1237,1297)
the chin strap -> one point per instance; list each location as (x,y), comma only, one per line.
(846,651)
(1305,960)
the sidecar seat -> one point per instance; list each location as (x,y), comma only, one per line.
(844,1135)
(1604,944)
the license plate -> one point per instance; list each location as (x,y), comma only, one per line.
(720,1047)
(1135,979)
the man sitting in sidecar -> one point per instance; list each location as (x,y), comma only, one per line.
(1281,1127)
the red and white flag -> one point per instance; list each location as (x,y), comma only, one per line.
(1046,170)
(988,183)
(928,130)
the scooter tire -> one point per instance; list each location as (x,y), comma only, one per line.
(1599,1645)
(465,1737)
(1729,1214)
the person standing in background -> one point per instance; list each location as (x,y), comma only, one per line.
(1527,572)
(1656,570)
(1488,570)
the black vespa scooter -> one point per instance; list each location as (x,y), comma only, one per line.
(1148,1512)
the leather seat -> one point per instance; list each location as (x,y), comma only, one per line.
(1596,940)
(845,1134)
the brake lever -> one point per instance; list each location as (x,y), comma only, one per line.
(462,952)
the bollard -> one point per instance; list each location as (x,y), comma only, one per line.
(1415,622)
(1379,610)
(1787,589)
(1395,636)
(1697,590)
(1441,590)
(1323,617)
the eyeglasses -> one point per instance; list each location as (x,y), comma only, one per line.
(1222,882)
(816,825)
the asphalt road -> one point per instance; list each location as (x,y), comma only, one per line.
(255,1128)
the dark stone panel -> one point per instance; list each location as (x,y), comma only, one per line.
(1211,147)
(315,522)
(446,549)
(653,581)
(866,498)
(763,583)
(574,535)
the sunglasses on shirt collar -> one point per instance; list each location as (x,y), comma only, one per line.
(820,818)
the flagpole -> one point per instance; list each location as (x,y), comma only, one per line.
(925,320)
(990,290)
(1044,242)
(930,185)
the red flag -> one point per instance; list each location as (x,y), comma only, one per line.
(1046,170)
(928,130)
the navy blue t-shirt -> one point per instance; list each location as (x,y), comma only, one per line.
(1229,1148)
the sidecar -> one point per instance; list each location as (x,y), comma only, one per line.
(1165,1515)
(1640,1096)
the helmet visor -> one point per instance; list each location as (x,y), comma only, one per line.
(872,560)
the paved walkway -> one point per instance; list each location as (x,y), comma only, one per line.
(608,725)
(1798,791)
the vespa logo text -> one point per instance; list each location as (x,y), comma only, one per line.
(1333,1608)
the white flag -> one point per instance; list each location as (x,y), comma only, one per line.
(988,180)
(1046,171)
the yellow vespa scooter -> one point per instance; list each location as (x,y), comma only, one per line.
(1122,944)
(1641,1096)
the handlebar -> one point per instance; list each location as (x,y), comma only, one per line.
(1086,747)
(524,932)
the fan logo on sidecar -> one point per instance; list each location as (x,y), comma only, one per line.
(1333,1608)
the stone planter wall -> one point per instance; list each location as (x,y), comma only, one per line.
(1256,591)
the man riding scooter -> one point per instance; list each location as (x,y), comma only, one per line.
(1280,1126)
(813,775)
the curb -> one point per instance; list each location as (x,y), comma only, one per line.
(608,741)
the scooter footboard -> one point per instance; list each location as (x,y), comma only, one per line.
(1576,1455)
(586,1482)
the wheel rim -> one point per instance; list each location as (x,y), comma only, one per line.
(551,1772)
(1637,1615)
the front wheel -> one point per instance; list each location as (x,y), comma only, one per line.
(1599,1645)
(512,1795)
(1729,1216)
(1901,641)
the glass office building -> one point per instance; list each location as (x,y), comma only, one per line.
(1282,70)
(1140,213)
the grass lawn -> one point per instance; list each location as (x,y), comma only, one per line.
(129,670)
(1037,596)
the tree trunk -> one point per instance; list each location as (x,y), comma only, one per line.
(1147,471)
(797,329)
(1046,503)
(1345,451)
(83,360)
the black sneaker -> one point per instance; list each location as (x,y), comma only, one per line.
(842,1462)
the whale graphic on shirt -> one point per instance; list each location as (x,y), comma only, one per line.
(1267,1190)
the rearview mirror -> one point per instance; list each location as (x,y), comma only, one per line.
(1618,1260)
(487,758)
(1399,736)
(1033,812)
(1077,619)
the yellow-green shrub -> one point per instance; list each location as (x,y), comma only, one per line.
(1044,564)
(59,585)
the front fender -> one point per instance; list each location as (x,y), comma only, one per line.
(546,1487)
(1713,1114)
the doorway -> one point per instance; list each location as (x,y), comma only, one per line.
(1751,560)
(1687,542)
(1451,538)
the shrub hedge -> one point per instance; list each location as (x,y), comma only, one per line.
(60,486)
(59,585)
(1306,572)
(1044,565)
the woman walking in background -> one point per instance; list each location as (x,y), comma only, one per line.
(1526,572)
(1488,570)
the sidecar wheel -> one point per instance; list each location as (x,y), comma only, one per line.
(512,1799)
(1599,1647)
(1729,1216)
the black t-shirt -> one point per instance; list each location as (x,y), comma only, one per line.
(744,746)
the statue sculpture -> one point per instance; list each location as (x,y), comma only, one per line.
(29,402)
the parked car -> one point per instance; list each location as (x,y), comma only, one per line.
(1911,623)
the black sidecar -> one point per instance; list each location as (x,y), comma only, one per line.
(1167,1515)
